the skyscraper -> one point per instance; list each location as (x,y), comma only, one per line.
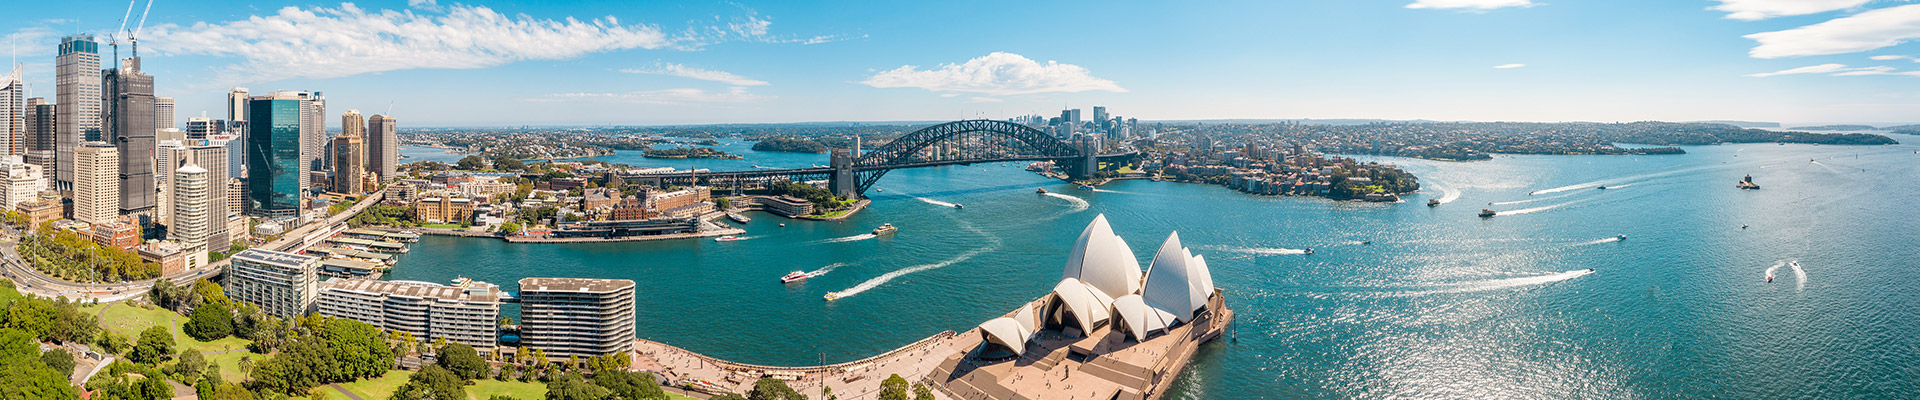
(163,113)
(96,184)
(276,168)
(237,126)
(1100,116)
(383,146)
(353,124)
(237,104)
(19,181)
(41,141)
(132,131)
(213,158)
(193,208)
(13,118)
(349,164)
(203,127)
(77,101)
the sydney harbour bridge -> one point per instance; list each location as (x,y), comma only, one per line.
(952,143)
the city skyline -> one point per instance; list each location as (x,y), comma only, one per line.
(699,63)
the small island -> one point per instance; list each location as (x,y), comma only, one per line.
(688,152)
(789,145)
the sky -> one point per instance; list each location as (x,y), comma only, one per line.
(594,62)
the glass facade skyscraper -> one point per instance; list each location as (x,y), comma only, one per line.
(274,165)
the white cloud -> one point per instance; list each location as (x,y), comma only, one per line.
(429,5)
(671,69)
(985,100)
(1860,32)
(1469,4)
(682,96)
(34,41)
(996,74)
(1509,66)
(335,42)
(1835,69)
(1889,58)
(1754,10)
(831,38)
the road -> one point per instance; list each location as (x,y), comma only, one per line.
(32,281)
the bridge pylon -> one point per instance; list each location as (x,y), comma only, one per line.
(842,181)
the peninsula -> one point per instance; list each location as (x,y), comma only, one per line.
(688,152)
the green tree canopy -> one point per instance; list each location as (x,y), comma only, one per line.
(463,361)
(470,163)
(209,322)
(431,383)
(627,385)
(773,389)
(155,345)
(25,375)
(894,388)
(572,387)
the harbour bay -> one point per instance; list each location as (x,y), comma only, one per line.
(1439,303)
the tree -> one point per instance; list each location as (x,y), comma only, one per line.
(572,387)
(773,389)
(922,392)
(230,392)
(24,377)
(894,388)
(209,322)
(431,383)
(508,164)
(154,388)
(110,343)
(462,361)
(630,385)
(510,228)
(727,396)
(470,163)
(190,366)
(156,345)
(58,359)
(501,397)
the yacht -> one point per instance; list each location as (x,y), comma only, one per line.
(885,229)
(795,276)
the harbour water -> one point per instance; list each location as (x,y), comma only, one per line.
(1440,304)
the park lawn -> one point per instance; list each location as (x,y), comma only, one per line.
(481,389)
(833,214)
(129,321)
(8,294)
(230,364)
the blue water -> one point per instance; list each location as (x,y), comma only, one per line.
(1442,304)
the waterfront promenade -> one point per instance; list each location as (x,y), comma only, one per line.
(858,379)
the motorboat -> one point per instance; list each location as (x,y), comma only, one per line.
(1308,251)
(1602,187)
(1040,191)
(1486,213)
(1747,183)
(1086,187)
(728,238)
(1433,202)
(831,296)
(885,229)
(795,276)
(1621,237)
(1366,242)
(957,205)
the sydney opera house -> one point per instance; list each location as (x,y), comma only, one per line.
(1107,331)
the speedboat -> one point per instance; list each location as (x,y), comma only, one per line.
(1433,202)
(1086,187)
(1769,278)
(957,205)
(1040,191)
(1309,251)
(884,229)
(831,296)
(795,276)
(728,238)
(1602,187)
(1486,213)
(1366,242)
(1622,237)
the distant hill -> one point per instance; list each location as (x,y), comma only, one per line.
(1836,128)
(1744,124)
(1905,129)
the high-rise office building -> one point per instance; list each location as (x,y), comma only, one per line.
(13,116)
(313,126)
(281,284)
(383,147)
(76,101)
(204,128)
(42,144)
(276,169)
(577,316)
(163,113)
(20,181)
(353,124)
(237,104)
(213,158)
(1100,116)
(132,130)
(96,183)
(237,126)
(193,208)
(349,163)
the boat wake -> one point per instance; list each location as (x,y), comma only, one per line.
(1099,190)
(935,202)
(1503,283)
(1800,275)
(1078,204)
(824,270)
(884,278)
(1447,194)
(854,238)
(1594,242)
(1503,203)
(1776,267)
(1265,251)
(1535,209)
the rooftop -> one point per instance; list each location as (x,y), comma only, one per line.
(479,292)
(573,285)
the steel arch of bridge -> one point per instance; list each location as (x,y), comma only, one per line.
(871,166)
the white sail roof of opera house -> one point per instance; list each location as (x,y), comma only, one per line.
(1012,332)
(1170,283)
(1087,304)
(1138,317)
(1102,260)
